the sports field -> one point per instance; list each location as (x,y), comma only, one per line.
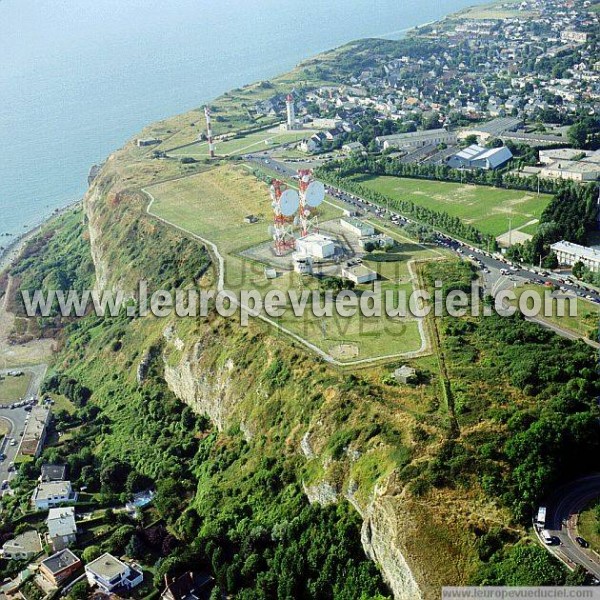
(213,205)
(253,142)
(487,208)
(13,388)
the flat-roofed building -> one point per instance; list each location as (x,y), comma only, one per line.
(109,574)
(53,493)
(35,431)
(315,245)
(359,274)
(357,227)
(568,254)
(23,546)
(59,567)
(573,170)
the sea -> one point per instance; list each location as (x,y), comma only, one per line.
(78,78)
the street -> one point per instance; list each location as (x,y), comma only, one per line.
(563,509)
(489,266)
(17,419)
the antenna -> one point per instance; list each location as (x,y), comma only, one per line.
(209,134)
(312,194)
(285,204)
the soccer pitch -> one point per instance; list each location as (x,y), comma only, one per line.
(489,209)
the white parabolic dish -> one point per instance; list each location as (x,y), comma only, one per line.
(289,202)
(315,194)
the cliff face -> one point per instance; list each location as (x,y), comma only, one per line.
(221,373)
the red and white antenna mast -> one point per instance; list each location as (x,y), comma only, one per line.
(285,204)
(209,133)
(312,194)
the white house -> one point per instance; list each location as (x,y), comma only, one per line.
(62,530)
(52,493)
(109,573)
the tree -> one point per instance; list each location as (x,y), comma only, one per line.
(91,553)
(578,270)
(80,591)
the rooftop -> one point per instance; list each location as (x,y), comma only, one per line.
(61,521)
(576,249)
(28,541)
(53,472)
(107,566)
(50,489)
(60,561)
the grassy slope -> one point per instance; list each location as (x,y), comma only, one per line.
(13,388)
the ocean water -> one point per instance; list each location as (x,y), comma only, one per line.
(80,77)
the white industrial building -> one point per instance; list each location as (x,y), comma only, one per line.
(358,228)
(359,274)
(569,254)
(303,264)
(316,246)
(416,139)
(478,157)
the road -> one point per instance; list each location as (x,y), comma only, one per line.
(563,509)
(490,266)
(17,417)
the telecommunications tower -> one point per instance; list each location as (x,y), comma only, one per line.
(285,204)
(312,194)
(209,133)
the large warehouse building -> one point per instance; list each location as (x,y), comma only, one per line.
(478,157)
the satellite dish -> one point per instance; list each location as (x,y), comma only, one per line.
(296,221)
(315,194)
(289,202)
(306,178)
(271,230)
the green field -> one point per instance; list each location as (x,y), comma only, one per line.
(213,205)
(253,142)
(13,388)
(487,208)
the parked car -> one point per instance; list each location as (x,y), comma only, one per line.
(583,543)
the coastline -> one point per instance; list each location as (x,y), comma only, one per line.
(12,252)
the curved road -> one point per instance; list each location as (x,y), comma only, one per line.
(563,510)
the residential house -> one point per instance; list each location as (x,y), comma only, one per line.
(53,472)
(62,529)
(190,586)
(22,547)
(53,493)
(35,431)
(110,574)
(57,568)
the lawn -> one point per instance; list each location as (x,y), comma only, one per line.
(487,208)
(253,142)
(213,204)
(14,388)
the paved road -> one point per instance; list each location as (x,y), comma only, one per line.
(491,267)
(561,521)
(16,417)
